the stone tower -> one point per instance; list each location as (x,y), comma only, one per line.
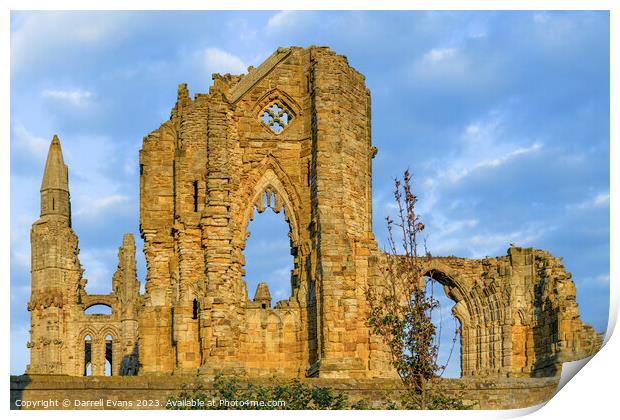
(56,270)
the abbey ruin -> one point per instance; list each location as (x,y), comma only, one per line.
(293,134)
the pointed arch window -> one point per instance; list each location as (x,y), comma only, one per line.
(109,342)
(88,368)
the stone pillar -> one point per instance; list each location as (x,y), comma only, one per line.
(126,286)
(335,214)
(157,214)
(219,321)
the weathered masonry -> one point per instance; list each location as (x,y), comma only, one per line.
(292,134)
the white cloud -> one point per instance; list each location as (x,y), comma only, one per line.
(99,267)
(439,54)
(283,20)
(75,97)
(242,28)
(96,206)
(456,176)
(279,19)
(24,141)
(219,61)
(603,279)
(441,64)
(541,18)
(489,244)
(38,37)
(280,294)
(599,200)
(556,31)
(279,281)
(472,129)
(483,147)
(478,35)
(599,280)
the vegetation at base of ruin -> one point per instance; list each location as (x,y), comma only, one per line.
(295,394)
(401,311)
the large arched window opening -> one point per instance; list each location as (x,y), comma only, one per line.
(267,254)
(448,326)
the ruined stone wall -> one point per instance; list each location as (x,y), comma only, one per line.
(518,313)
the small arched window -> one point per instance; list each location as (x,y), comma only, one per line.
(195,309)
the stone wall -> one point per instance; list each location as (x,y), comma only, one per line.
(151,392)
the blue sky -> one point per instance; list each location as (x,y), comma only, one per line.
(503,118)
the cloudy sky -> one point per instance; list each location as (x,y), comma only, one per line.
(503,118)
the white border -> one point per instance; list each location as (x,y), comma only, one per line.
(592,395)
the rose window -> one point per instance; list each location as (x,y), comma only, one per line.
(276,117)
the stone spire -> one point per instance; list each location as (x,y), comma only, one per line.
(55,183)
(262,295)
(56,175)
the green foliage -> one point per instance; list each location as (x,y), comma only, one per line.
(228,393)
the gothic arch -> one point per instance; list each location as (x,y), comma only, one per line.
(80,354)
(269,176)
(108,330)
(442,273)
(273,95)
(464,309)
(87,331)
(111,354)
